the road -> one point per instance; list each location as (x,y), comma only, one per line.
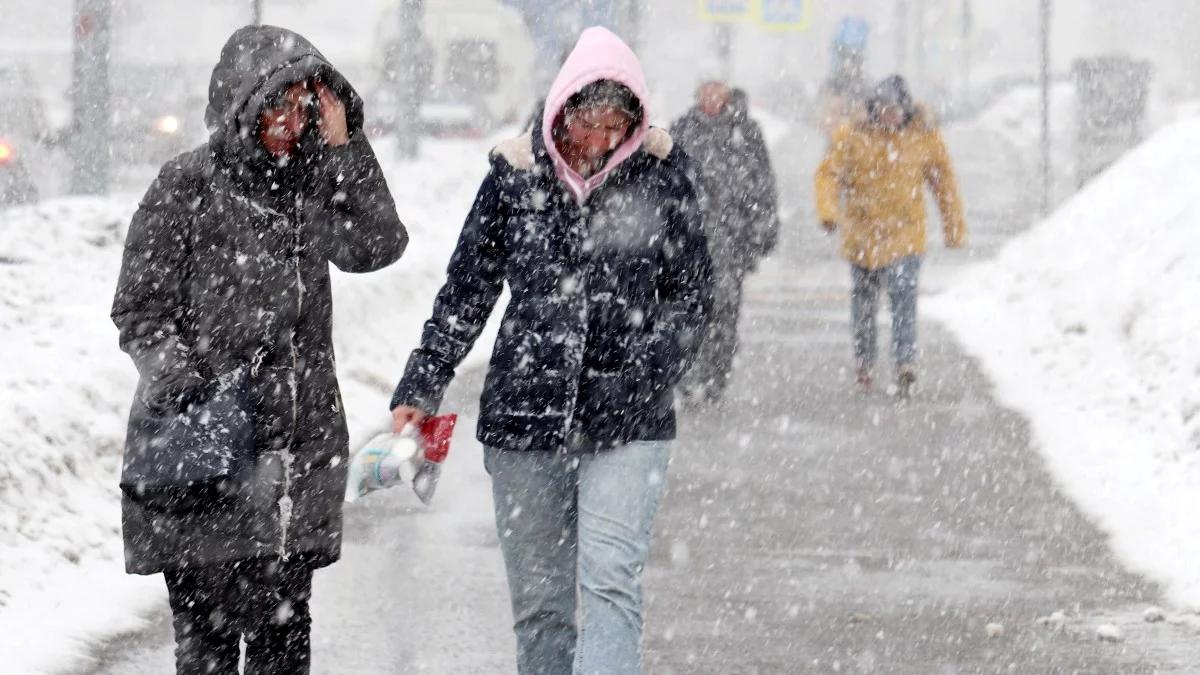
(807,528)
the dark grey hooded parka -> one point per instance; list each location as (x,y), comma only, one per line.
(224,290)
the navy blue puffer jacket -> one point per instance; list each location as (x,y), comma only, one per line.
(609,300)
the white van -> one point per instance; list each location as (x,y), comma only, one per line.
(482,65)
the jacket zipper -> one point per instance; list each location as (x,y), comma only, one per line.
(286,458)
(585,290)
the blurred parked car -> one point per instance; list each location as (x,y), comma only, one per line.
(23,131)
(475,65)
(157,112)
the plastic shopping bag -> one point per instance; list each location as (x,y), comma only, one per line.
(412,457)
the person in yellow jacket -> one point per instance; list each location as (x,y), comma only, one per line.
(871,187)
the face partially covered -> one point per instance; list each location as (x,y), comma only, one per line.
(282,124)
(892,116)
(590,133)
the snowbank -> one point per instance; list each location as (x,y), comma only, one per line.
(65,390)
(1016,117)
(1087,325)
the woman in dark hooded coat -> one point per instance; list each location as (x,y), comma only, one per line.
(235,460)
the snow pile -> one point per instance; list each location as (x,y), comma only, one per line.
(65,390)
(1016,117)
(60,413)
(1087,325)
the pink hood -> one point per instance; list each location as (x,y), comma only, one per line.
(599,55)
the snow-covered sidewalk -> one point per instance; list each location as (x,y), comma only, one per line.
(65,389)
(1087,326)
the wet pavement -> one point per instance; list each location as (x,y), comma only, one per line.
(807,528)
(810,528)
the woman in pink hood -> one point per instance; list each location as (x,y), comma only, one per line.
(591,221)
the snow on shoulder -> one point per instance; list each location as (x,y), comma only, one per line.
(1087,325)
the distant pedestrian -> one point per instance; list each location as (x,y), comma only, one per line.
(591,222)
(733,177)
(843,94)
(235,458)
(871,187)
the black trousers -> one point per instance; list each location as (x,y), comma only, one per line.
(263,601)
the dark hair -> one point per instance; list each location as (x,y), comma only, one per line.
(607,93)
(893,90)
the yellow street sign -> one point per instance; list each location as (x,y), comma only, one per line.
(775,15)
(784,15)
(726,10)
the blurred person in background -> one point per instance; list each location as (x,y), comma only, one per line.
(591,221)
(235,459)
(871,187)
(843,94)
(731,169)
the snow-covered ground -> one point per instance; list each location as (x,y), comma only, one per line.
(1087,325)
(1016,117)
(65,390)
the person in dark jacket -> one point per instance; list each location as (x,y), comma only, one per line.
(593,224)
(224,295)
(732,170)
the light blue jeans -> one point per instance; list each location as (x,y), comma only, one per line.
(577,525)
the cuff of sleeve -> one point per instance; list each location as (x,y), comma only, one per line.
(340,165)
(422,387)
(156,360)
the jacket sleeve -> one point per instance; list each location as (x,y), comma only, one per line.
(351,215)
(703,192)
(474,281)
(149,305)
(828,179)
(939,175)
(685,286)
(684,142)
(764,195)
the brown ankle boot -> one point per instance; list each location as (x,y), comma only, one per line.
(863,379)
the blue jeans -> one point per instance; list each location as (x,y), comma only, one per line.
(901,277)
(577,524)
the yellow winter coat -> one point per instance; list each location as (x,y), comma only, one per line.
(871,184)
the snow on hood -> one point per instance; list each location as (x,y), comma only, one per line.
(599,55)
(256,63)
